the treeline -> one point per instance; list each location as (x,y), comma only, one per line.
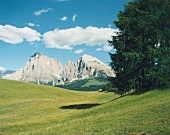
(142,58)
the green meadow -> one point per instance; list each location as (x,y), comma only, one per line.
(91,84)
(30,109)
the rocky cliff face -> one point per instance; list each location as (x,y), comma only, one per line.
(43,70)
(85,67)
(69,72)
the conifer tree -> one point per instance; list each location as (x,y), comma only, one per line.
(142,58)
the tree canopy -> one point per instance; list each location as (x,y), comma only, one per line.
(142,58)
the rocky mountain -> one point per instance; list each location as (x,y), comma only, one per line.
(43,70)
(85,67)
(69,72)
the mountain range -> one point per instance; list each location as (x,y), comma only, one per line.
(5,72)
(41,69)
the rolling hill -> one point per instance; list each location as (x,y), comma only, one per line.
(91,84)
(31,109)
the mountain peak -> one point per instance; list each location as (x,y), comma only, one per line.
(35,54)
(88,58)
(41,69)
(86,55)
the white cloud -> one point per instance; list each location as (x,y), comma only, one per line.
(2,69)
(31,24)
(64,18)
(67,38)
(107,48)
(79,51)
(62,0)
(99,49)
(74,17)
(39,12)
(14,35)
(109,26)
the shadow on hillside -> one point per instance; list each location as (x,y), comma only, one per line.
(88,105)
(114,99)
(79,106)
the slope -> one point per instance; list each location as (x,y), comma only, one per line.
(91,84)
(36,109)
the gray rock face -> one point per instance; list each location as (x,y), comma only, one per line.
(41,69)
(85,67)
(69,72)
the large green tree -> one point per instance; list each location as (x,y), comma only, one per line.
(142,58)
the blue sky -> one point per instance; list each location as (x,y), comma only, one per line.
(61,29)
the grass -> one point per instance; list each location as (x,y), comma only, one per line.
(96,81)
(28,109)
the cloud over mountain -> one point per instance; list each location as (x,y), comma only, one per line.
(105,47)
(79,51)
(14,35)
(2,69)
(67,38)
(99,49)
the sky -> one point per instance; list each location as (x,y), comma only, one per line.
(60,29)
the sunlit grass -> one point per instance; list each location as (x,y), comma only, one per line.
(94,81)
(36,109)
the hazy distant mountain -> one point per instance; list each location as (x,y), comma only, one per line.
(43,70)
(15,75)
(4,72)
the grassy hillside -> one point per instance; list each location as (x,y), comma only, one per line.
(29,109)
(92,84)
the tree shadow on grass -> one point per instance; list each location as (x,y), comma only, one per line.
(115,99)
(88,105)
(80,106)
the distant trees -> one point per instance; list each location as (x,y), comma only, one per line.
(142,58)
